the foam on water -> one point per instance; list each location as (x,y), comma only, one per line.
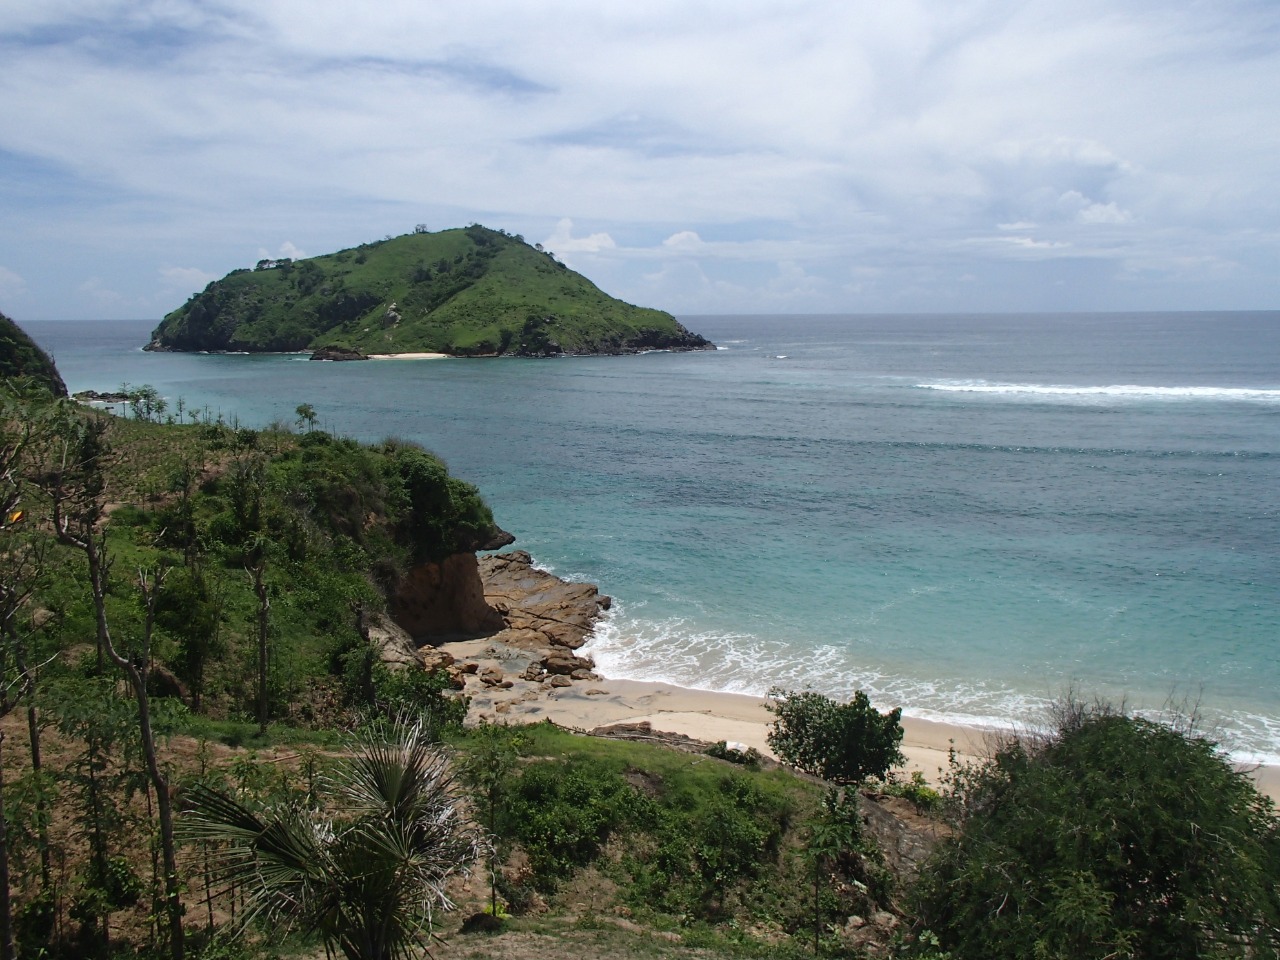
(628,647)
(1114,391)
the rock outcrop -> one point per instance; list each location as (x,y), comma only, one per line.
(500,599)
(338,353)
(436,602)
(539,610)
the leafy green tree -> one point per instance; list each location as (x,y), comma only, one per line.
(1114,837)
(492,753)
(843,743)
(833,832)
(367,874)
(306,416)
(90,713)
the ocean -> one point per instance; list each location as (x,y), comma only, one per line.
(964,515)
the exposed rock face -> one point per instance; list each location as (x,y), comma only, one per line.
(393,646)
(537,618)
(540,610)
(441,601)
(338,353)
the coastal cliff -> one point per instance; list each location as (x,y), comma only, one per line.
(478,605)
(20,356)
(470,292)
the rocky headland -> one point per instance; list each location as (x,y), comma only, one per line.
(494,623)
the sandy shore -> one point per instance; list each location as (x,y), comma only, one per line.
(703,715)
(408,356)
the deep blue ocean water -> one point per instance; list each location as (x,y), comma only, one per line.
(962,515)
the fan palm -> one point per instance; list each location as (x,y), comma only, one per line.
(368,875)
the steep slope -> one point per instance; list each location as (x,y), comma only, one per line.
(20,356)
(466,292)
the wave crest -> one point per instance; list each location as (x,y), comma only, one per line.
(1113,391)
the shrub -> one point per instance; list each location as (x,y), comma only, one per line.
(749,758)
(1116,837)
(843,743)
(562,812)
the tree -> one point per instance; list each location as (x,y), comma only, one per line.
(832,833)
(76,485)
(367,875)
(493,751)
(251,544)
(843,743)
(1113,837)
(25,421)
(306,416)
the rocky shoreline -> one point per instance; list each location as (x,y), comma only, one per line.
(522,635)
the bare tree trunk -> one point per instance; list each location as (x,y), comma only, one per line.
(264,614)
(37,771)
(6,905)
(92,544)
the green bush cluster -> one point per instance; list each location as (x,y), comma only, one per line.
(843,743)
(1115,837)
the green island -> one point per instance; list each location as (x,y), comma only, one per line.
(468,292)
(207,751)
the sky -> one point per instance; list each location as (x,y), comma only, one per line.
(700,156)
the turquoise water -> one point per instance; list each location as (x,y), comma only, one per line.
(963,515)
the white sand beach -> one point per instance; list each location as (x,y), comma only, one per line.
(710,716)
(409,356)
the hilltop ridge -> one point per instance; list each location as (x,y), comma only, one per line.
(464,292)
(20,356)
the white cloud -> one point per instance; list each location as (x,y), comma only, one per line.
(1104,213)
(686,241)
(11,284)
(185,279)
(287,251)
(820,133)
(562,240)
(101,295)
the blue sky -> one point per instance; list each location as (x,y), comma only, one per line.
(704,157)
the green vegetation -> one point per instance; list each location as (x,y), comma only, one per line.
(1115,837)
(20,356)
(466,292)
(366,873)
(845,743)
(131,540)
(680,837)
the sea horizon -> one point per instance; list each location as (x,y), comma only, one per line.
(964,514)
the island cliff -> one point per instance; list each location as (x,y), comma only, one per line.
(20,356)
(464,292)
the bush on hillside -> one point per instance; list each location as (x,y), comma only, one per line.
(1115,837)
(844,743)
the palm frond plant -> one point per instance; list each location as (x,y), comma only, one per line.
(368,872)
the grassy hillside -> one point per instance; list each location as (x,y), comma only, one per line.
(466,292)
(20,356)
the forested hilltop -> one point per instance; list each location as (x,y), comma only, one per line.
(464,292)
(20,356)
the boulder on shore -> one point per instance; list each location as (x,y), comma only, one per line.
(338,353)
